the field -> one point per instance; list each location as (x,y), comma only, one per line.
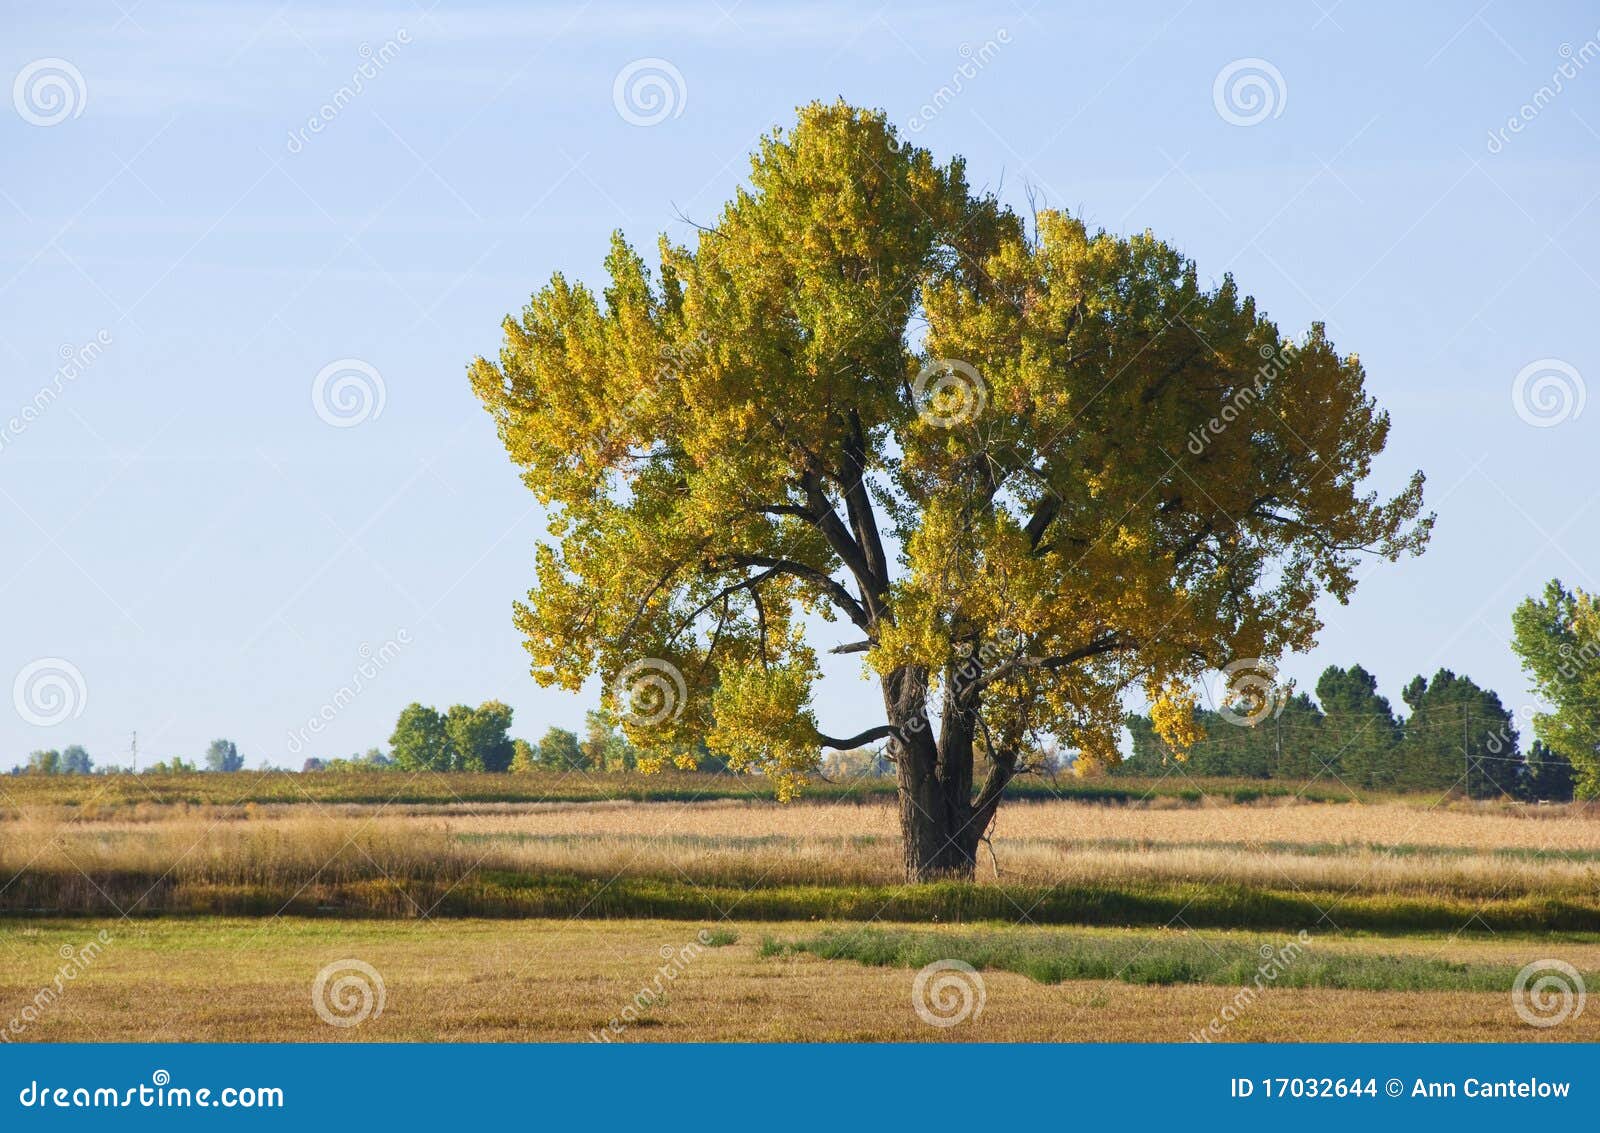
(540,909)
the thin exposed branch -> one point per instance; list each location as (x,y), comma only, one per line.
(830,585)
(871,735)
(853,647)
(720,596)
(1106,644)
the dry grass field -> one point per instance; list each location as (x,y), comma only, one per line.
(564,981)
(97,862)
(542,920)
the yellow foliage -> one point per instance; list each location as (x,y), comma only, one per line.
(1098,474)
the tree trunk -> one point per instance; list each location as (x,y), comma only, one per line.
(940,843)
(940,828)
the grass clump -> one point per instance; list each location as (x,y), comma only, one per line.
(1158,959)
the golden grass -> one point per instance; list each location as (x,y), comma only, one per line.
(250,980)
(210,978)
(1476,851)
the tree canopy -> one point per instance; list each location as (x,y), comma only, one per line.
(1361,733)
(223,755)
(1458,737)
(460,739)
(1030,466)
(1558,639)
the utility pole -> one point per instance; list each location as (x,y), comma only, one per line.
(1466,757)
(136,753)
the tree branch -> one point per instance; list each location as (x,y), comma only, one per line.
(749,584)
(858,502)
(830,585)
(871,735)
(845,546)
(1095,648)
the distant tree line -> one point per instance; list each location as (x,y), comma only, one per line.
(1452,735)
(1456,736)
(463,738)
(222,755)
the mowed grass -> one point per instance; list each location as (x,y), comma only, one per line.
(251,980)
(1131,920)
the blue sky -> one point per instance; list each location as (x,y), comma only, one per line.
(212,557)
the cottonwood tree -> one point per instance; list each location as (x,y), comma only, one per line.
(1558,640)
(460,739)
(1030,466)
(560,749)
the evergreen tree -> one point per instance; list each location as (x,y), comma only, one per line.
(1151,755)
(1458,737)
(1292,743)
(1547,775)
(1360,733)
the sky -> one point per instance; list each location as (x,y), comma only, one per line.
(241,468)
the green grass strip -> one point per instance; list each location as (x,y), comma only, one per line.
(1053,958)
(504,893)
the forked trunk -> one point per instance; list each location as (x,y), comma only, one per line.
(939,825)
(940,845)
